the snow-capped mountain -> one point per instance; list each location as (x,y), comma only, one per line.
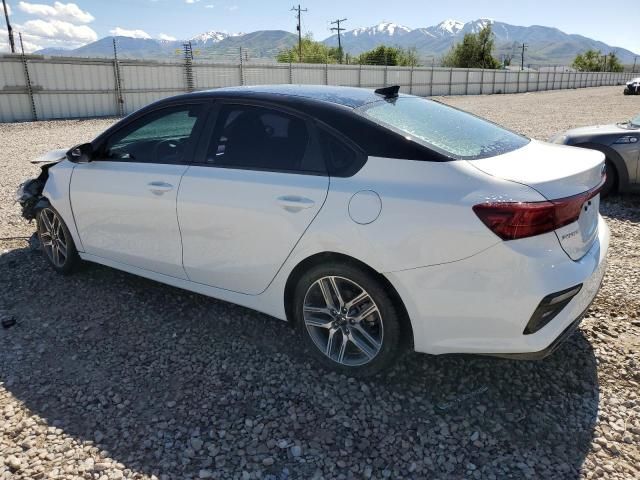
(448,27)
(545,44)
(212,37)
(385,28)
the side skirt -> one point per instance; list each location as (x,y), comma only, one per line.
(254,302)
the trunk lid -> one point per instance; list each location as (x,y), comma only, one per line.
(557,172)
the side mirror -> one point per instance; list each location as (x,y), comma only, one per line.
(80,153)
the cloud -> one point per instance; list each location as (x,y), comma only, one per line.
(28,45)
(233,8)
(169,38)
(191,1)
(123,32)
(59,30)
(209,6)
(69,12)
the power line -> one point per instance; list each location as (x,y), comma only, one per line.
(9,29)
(299,27)
(338,29)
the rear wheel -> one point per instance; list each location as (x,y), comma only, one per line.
(347,319)
(56,241)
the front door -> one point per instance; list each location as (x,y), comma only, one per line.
(244,207)
(124,201)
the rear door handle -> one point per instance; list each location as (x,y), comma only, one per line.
(295,203)
(158,188)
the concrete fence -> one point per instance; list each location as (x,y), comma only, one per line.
(42,88)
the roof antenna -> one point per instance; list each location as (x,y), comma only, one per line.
(388,92)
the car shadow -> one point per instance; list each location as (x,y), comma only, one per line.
(140,368)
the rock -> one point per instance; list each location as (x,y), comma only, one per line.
(296,451)
(196,444)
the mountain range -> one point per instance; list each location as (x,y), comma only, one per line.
(543,44)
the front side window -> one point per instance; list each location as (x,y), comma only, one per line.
(446,130)
(158,137)
(255,137)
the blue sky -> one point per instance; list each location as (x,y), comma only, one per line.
(70,24)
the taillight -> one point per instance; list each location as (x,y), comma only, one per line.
(513,220)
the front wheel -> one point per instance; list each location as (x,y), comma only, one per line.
(347,319)
(56,241)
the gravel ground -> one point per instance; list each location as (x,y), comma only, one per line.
(110,376)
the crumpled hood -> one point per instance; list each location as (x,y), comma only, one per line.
(53,156)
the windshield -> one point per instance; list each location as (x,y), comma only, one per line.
(449,131)
(635,121)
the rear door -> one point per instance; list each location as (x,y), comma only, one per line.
(124,201)
(258,182)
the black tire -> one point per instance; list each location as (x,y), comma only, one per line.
(611,183)
(383,324)
(627,91)
(54,235)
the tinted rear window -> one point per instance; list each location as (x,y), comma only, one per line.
(452,132)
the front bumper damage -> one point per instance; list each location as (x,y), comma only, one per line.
(29,196)
(29,193)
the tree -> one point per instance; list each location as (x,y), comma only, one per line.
(594,61)
(384,55)
(613,64)
(475,51)
(312,52)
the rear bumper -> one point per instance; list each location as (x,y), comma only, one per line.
(482,304)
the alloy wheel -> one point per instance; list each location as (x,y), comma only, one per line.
(343,321)
(52,236)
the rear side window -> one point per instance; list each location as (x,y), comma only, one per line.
(446,130)
(342,159)
(255,137)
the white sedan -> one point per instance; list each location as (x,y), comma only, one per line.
(374,222)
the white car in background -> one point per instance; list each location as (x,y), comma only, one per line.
(374,222)
(633,87)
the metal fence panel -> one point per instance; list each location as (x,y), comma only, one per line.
(74,105)
(308,74)
(76,87)
(215,76)
(266,74)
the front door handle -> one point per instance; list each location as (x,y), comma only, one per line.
(158,188)
(295,203)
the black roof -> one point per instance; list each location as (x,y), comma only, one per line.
(346,96)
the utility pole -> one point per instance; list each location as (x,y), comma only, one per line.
(9,29)
(299,16)
(338,29)
(524,47)
(635,59)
